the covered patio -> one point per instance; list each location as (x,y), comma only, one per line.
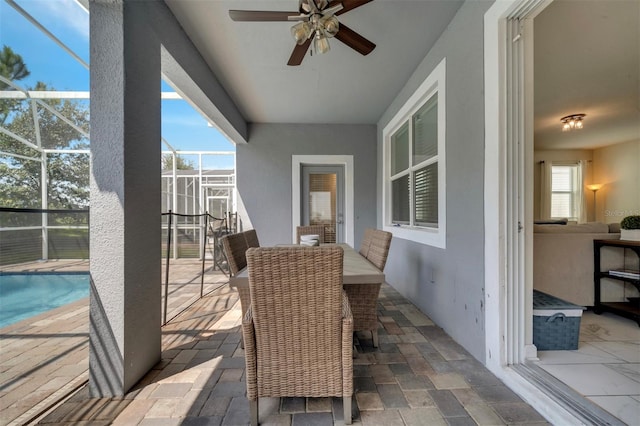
(464,262)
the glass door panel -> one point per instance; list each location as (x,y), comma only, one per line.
(322,200)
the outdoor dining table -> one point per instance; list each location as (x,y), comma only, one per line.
(357,270)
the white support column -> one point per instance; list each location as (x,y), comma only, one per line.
(44,181)
(174,207)
(125,339)
(44,203)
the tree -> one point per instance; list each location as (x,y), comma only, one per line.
(67,173)
(181,163)
(13,68)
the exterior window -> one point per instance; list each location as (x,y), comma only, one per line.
(414,168)
(414,193)
(565,192)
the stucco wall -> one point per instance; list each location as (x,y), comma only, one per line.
(264,172)
(447,284)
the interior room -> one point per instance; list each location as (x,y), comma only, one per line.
(577,73)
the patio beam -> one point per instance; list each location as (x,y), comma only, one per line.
(62,94)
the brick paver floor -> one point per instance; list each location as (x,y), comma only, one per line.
(418,376)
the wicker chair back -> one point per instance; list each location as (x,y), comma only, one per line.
(310,230)
(366,241)
(235,247)
(379,248)
(251,236)
(298,331)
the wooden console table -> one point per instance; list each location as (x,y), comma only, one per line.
(626,309)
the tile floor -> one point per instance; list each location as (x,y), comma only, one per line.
(606,366)
(418,376)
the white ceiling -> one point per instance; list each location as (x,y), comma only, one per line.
(586,61)
(341,86)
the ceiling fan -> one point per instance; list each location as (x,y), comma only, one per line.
(317,23)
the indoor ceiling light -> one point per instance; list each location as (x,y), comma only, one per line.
(571,122)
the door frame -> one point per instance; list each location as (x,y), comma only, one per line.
(346,161)
(508,202)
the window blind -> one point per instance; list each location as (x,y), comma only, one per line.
(426,196)
(564,191)
(322,191)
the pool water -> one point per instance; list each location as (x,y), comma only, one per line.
(25,295)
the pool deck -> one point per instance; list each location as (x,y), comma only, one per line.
(45,358)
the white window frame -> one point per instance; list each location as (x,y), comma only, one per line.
(434,84)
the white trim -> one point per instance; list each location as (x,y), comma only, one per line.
(343,160)
(548,407)
(434,83)
(506,342)
(494,276)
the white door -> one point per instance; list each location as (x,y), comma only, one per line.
(345,230)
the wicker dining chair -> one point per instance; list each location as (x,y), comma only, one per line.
(251,236)
(379,248)
(364,298)
(235,248)
(366,241)
(310,230)
(298,332)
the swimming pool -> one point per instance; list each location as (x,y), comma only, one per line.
(23,295)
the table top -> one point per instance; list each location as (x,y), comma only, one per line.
(357,270)
(618,243)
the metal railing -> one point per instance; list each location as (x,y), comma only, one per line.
(28,235)
(211,230)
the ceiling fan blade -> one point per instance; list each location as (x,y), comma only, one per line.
(298,53)
(330,11)
(259,15)
(354,40)
(348,5)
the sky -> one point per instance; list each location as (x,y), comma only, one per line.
(182,126)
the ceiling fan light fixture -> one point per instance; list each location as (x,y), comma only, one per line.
(321,43)
(314,18)
(331,25)
(301,32)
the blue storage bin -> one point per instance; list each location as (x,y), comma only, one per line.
(556,323)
